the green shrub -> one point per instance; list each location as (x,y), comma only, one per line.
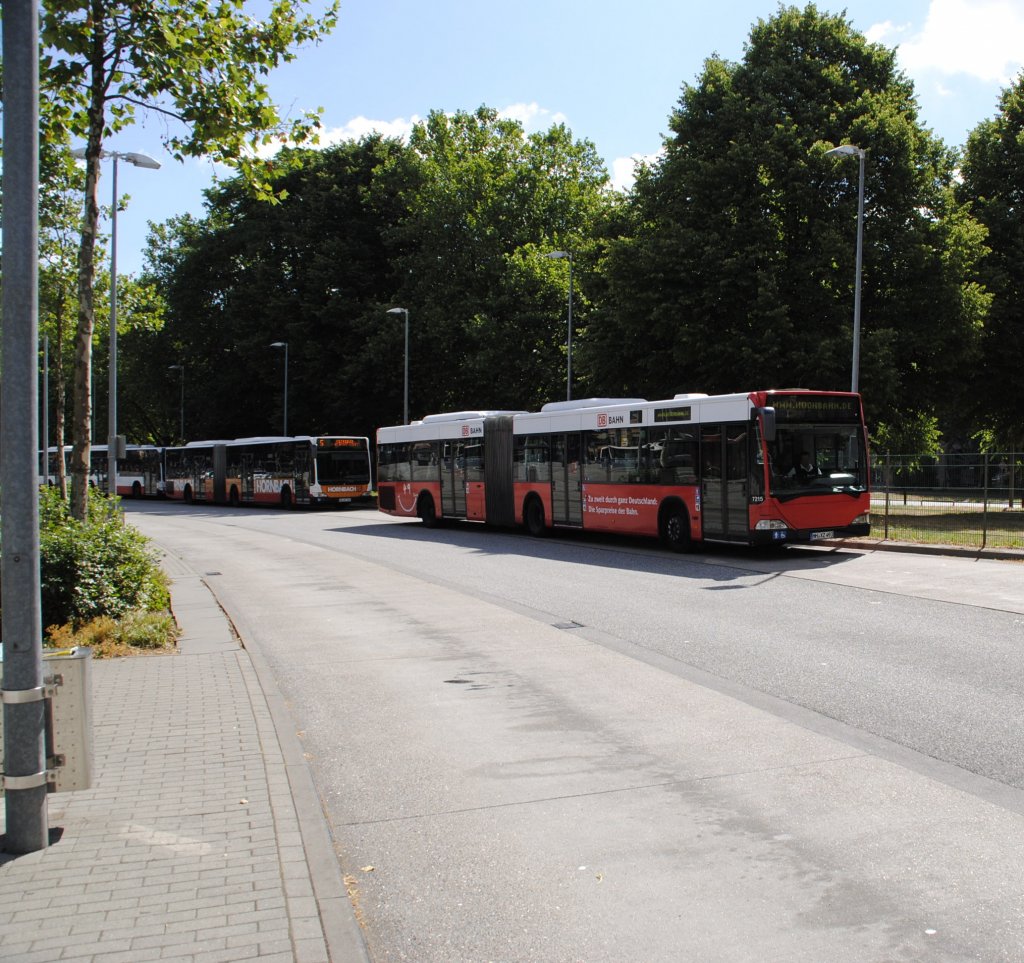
(100,567)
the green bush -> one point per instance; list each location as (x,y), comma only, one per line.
(100,567)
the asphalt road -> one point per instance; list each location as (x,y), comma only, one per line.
(578,749)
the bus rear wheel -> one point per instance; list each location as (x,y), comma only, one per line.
(675,528)
(286,498)
(136,490)
(187,495)
(533,516)
(426,511)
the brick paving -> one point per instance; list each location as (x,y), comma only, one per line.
(192,843)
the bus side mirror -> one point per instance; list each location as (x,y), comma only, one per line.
(767,422)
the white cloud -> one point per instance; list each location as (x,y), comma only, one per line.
(532,116)
(623,169)
(362,126)
(983,39)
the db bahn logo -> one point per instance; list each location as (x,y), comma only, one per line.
(602,420)
(465,431)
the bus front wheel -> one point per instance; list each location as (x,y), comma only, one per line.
(187,495)
(675,528)
(426,511)
(534,518)
(286,498)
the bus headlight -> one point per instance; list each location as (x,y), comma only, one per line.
(864,519)
(771,525)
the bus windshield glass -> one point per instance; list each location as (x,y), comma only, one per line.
(817,459)
(342,466)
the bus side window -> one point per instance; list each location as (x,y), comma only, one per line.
(597,466)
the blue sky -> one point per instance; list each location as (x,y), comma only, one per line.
(611,71)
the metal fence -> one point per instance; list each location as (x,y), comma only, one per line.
(972,500)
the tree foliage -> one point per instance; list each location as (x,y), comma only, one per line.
(739,270)
(485,205)
(993,184)
(453,226)
(201,67)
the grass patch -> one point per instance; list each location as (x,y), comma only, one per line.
(934,523)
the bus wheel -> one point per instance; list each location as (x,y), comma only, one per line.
(136,490)
(534,518)
(426,511)
(286,497)
(187,495)
(675,528)
(233,497)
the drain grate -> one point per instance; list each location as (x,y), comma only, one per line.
(567,625)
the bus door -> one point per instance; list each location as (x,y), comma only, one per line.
(151,479)
(453,479)
(303,469)
(248,471)
(566,487)
(724,481)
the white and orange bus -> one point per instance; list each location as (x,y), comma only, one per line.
(305,470)
(765,467)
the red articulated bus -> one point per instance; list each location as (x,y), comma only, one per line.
(764,467)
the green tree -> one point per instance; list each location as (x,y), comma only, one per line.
(488,202)
(453,227)
(737,270)
(993,184)
(312,270)
(200,66)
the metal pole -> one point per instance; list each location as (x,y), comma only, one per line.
(405,379)
(183,404)
(568,373)
(112,374)
(286,389)
(24,712)
(855,383)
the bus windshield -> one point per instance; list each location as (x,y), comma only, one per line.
(817,459)
(342,467)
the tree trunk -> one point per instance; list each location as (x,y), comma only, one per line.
(81,419)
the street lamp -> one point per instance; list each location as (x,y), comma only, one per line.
(405,380)
(181,368)
(284,344)
(558,255)
(138,160)
(849,150)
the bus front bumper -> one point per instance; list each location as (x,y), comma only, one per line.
(806,536)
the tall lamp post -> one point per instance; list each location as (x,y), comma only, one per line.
(284,344)
(181,368)
(568,371)
(849,150)
(138,160)
(405,377)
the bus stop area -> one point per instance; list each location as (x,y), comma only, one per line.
(203,837)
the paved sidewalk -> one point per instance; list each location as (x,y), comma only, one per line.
(202,838)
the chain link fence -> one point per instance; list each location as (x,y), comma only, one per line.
(971,500)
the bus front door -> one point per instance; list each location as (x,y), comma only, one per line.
(453,479)
(566,488)
(724,481)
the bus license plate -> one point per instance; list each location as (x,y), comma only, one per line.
(817,536)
